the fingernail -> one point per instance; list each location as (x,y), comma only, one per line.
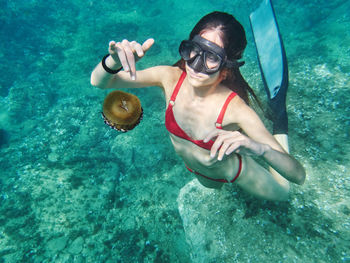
(133,77)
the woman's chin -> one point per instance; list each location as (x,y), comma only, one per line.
(195,82)
(198,82)
(195,79)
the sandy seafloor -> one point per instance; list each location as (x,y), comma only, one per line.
(73,190)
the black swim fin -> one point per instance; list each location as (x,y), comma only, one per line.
(272,62)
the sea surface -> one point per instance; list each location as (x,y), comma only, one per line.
(74,190)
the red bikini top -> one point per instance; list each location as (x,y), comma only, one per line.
(172,126)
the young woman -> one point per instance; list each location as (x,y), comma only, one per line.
(208,118)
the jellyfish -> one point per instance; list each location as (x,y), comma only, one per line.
(122,111)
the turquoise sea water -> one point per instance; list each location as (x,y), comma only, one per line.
(73,190)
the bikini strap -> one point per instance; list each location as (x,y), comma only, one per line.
(177,88)
(218,123)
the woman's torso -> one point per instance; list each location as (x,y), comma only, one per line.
(197,118)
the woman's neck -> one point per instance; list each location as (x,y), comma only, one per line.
(200,93)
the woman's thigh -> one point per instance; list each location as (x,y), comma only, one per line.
(259,182)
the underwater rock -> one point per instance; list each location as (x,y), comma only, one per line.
(57,244)
(77,246)
(53,157)
(4,137)
(218,229)
(198,222)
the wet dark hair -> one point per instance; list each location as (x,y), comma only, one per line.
(234,39)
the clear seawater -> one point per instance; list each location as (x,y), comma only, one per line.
(73,190)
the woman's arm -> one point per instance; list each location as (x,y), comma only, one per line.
(125,54)
(258,142)
(154,76)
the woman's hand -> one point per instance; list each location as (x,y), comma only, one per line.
(227,142)
(125,52)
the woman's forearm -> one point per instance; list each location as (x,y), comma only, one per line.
(100,77)
(285,165)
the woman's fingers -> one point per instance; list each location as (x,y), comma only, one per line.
(117,52)
(222,138)
(111,46)
(114,49)
(125,51)
(223,149)
(147,44)
(225,141)
(234,147)
(211,135)
(129,53)
(138,49)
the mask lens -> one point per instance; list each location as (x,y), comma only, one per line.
(212,61)
(189,50)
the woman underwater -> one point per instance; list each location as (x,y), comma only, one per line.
(210,123)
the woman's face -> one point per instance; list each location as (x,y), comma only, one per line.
(198,79)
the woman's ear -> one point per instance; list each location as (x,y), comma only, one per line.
(225,74)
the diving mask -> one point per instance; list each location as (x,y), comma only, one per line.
(205,56)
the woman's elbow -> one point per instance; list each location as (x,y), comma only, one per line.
(94,82)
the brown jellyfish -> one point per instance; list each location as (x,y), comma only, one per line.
(122,111)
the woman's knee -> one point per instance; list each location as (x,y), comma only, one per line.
(283,193)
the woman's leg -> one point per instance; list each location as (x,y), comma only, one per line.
(283,141)
(259,182)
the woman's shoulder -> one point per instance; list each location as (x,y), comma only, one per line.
(169,76)
(237,110)
(171,73)
(164,73)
